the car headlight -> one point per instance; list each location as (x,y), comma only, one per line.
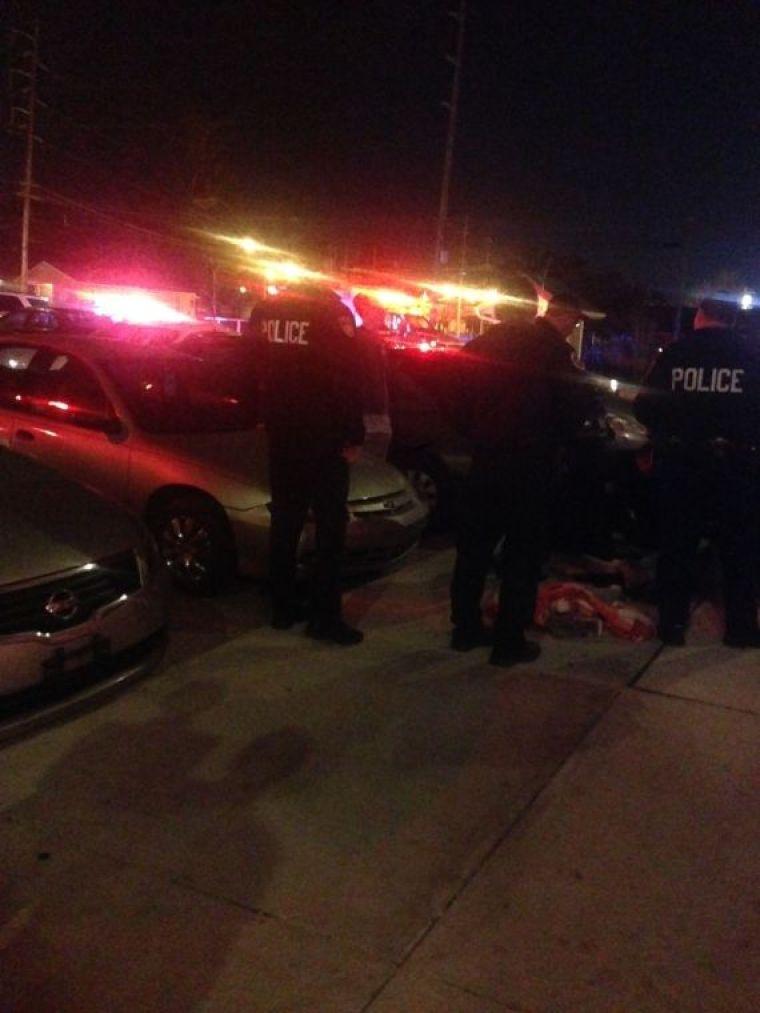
(625,427)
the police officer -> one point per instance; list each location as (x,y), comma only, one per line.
(312,411)
(701,406)
(523,398)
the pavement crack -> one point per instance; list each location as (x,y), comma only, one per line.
(645,667)
(501,839)
(220,898)
(304,927)
(713,704)
(475,994)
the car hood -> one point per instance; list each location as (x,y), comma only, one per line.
(372,478)
(627,431)
(49,524)
(240,454)
(243,456)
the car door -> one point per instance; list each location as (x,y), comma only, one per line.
(9,303)
(63,417)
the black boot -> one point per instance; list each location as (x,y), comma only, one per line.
(286,616)
(465,639)
(520,652)
(749,639)
(672,635)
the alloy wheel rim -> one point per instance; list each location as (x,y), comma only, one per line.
(186,547)
(426,488)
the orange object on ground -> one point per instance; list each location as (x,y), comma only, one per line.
(565,598)
(580,611)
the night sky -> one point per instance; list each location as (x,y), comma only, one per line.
(606,130)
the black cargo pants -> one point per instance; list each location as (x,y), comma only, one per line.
(502,499)
(703,494)
(305,477)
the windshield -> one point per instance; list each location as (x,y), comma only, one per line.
(185,396)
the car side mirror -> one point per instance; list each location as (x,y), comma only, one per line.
(114,429)
(111,427)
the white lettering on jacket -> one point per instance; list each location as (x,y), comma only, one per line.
(286,332)
(704,381)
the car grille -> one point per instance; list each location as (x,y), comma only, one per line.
(358,559)
(392,505)
(68,599)
(47,694)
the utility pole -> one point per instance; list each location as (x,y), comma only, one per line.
(29,111)
(462,271)
(453,106)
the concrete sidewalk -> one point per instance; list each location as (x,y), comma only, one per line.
(270,824)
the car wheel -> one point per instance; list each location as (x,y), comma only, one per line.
(432,483)
(195,542)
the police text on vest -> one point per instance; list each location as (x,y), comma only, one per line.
(707,381)
(286,332)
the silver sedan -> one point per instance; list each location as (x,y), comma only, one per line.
(173,438)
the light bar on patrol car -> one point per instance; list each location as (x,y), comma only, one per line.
(271,262)
(247,244)
(276,265)
(132,307)
(287,270)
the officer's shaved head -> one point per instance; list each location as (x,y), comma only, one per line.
(563,314)
(715,313)
(522,305)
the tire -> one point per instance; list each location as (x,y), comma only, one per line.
(195,542)
(432,482)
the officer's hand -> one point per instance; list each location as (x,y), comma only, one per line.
(351,454)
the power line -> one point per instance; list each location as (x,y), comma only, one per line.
(92,165)
(52,197)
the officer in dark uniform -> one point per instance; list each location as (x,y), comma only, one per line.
(523,396)
(312,410)
(701,405)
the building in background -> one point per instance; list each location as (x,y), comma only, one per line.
(61,289)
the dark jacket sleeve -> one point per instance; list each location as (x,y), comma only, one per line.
(463,399)
(577,400)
